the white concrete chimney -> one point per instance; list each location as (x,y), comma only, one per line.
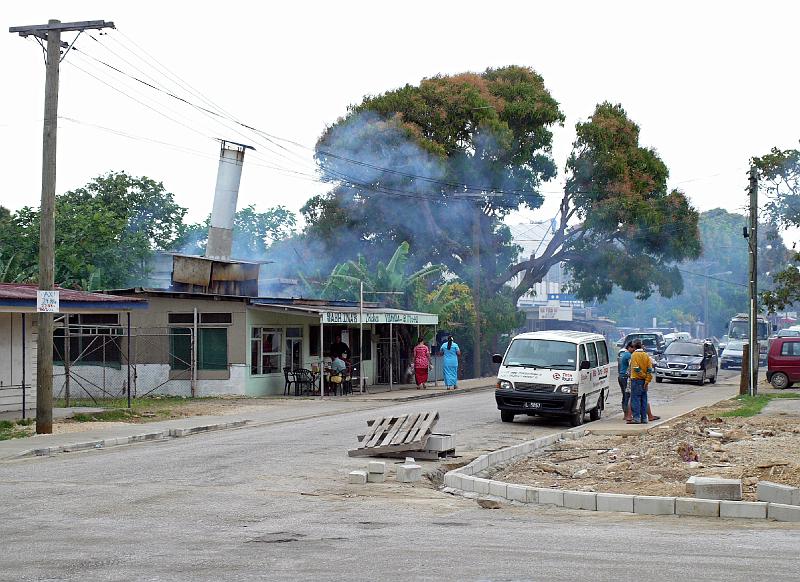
(220,233)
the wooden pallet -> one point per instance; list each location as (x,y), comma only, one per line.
(389,435)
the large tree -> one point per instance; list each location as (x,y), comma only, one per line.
(105,232)
(443,163)
(779,176)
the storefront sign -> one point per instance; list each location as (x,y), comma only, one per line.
(372,317)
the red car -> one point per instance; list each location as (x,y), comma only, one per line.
(783,362)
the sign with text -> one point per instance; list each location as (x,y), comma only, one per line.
(555,312)
(373,317)
(47,301)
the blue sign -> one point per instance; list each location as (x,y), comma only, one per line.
(561,297)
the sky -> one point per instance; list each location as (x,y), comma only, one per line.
(710,84)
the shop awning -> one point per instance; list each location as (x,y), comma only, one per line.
(348,315)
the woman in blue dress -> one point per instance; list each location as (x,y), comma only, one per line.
(451,353)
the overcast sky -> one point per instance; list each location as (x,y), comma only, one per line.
(710,83)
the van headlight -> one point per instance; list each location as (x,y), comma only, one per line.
(504,385)
(568,388)
(694,366)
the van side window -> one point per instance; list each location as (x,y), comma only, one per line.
(602,352)
(581,354)
(790,349)
(592,352)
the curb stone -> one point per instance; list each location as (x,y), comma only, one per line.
(136,438)
(467,482)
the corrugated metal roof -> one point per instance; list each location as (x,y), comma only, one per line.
(16,294)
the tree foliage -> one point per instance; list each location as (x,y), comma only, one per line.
(105,232)
(426,163)
(720,271)
(779,180)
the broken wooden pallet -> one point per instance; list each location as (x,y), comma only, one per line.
(389,435)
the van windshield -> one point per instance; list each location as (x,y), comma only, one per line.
(540,353)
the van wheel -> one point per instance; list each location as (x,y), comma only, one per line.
(577,418)
(780,380)
(506,416)
(596,412)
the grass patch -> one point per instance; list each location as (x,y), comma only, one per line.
(10,429)
(752,405)
(118,415)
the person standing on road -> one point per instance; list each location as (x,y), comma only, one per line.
(451,353)
(422,361)
(624,364)
(641,373)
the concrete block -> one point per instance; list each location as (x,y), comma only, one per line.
(452,479)
(743,509)
(517,493)
(358,477)
(440,442)
(697,507)
(783,512)
(468,483)
(715,488)
(498,489)
(551,497)
(376,477)
(532,494)
(580,500)
(653,505)
(376,467)
(467,469)
(481,463)
(690,485)
(614,502)
(480,486)
(777,493)
(409,473)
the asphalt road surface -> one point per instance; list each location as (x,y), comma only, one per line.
(273,503)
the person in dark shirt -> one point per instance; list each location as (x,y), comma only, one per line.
(339,348)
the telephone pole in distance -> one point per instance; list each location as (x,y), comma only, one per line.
(51,33)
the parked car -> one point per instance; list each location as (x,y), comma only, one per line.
(732,355)
(558,373)
(783,362)
(695,361)
(652,342)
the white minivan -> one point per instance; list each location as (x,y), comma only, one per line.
(563,373)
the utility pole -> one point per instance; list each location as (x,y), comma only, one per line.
(476,293)
(752,241)
(50,32)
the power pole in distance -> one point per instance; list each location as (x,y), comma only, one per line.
(476,293)
(50,32)
(752,241)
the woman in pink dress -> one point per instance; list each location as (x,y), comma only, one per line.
(422,360)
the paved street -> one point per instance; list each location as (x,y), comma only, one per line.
(272,502)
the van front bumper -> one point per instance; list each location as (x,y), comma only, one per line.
(537,402)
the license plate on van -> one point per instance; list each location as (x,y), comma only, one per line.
(532,405)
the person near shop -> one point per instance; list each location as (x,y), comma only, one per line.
(451,353)
(339,348)
(640,372)
(622,379)
(422,362)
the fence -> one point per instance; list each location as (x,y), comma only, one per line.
(111,362)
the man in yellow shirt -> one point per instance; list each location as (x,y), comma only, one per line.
(641,373)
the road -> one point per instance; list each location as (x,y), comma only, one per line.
(272,502)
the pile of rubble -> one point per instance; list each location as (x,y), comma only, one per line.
(407,472)
(659,462)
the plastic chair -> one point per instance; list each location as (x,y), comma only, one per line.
(303,380)
(288,381)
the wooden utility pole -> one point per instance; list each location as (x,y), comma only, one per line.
(476,293)
(753,247)
(50,32)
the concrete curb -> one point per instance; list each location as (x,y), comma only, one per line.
(470,481)
(127,440)
(423,395)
